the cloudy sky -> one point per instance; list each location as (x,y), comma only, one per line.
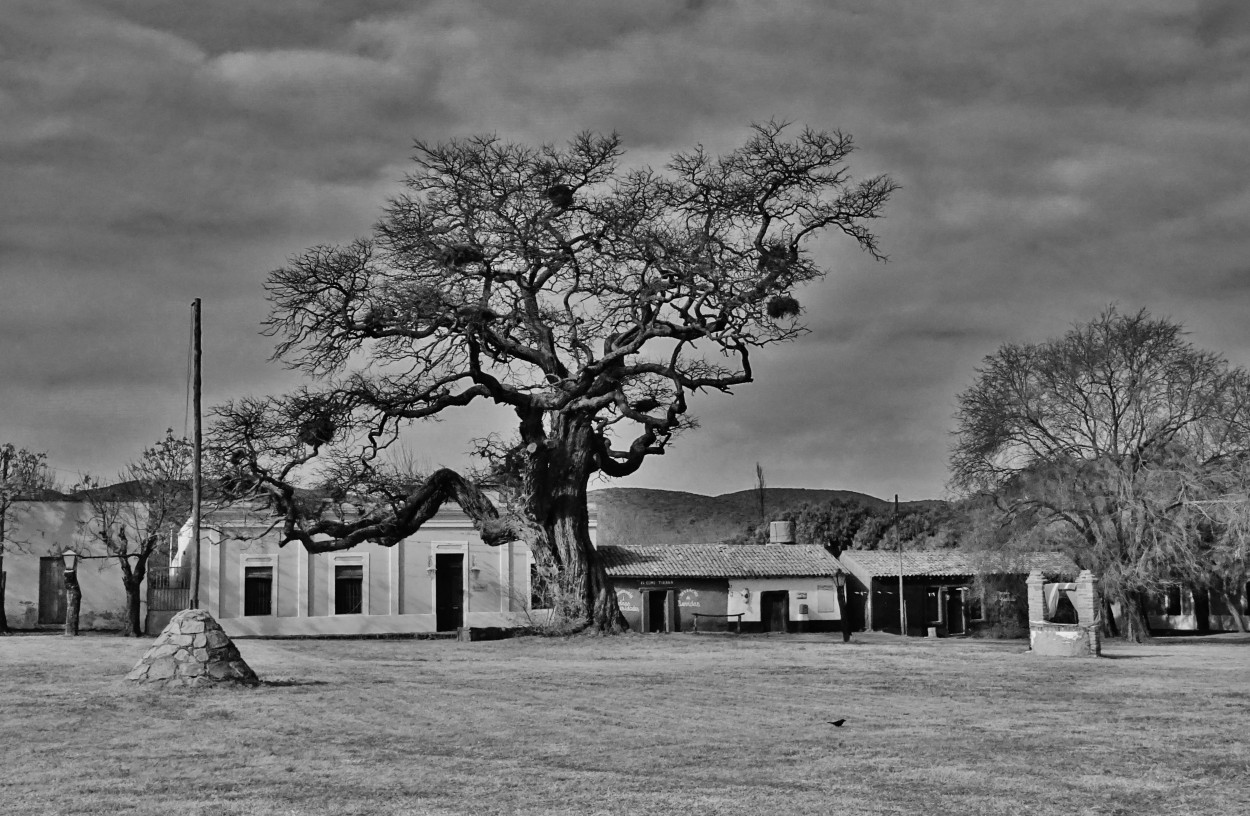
(1054,157)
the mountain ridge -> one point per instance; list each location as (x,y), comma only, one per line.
(641,516)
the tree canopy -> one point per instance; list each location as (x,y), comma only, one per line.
(145,508)
(24,474)
(590,300)
(1115,436)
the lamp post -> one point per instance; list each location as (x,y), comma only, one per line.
(73,593)
(839,579)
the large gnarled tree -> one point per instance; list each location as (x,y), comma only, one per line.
(589,300)
(1122,437)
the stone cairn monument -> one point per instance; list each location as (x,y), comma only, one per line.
(193,651)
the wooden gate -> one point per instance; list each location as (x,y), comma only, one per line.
(169,589)
(51,590)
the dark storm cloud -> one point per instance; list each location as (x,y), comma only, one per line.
(1054,157)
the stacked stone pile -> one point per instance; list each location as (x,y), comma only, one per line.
(193,651)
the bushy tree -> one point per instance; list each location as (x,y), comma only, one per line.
(1107,437)
(144,509)
(588,300)
(839,525)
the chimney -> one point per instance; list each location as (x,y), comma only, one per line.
(780,532)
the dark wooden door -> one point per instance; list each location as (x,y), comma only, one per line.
(51,590)
(449,591)
(775,611)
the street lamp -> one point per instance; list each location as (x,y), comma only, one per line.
(73,593)
(839,580)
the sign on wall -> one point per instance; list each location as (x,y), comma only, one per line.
(627,600)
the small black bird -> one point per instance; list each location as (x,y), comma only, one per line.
(836,723)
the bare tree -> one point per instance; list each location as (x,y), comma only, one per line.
(1107,435)
(147,506)
(23,475)
(587,300)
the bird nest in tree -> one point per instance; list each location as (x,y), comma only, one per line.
(560,195)
(782,306)
(461,254)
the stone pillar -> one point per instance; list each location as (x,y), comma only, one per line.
(1088,604)
(1035,584)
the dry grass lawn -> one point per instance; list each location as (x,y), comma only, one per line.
(675,724)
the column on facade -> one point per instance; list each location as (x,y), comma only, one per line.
(1087,600)
(1035,585)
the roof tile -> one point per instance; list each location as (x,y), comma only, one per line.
(718,561)
(956,562)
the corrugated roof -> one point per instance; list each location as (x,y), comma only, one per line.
(718,561)
(954,562)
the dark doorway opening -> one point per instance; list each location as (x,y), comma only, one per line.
(775,611)
(448,591)
(349,589)
(1202,609)
(659,612)
(51,590)
(258,591)
(955,621)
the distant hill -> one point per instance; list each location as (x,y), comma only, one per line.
(642,516)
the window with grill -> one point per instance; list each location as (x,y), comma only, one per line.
(258,591)
(349,589)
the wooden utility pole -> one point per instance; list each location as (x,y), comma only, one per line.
(902,606)
(4,511)
(198,441)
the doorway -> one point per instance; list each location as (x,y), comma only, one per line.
(775,611)
(51,590)
(659,615)
(448,591)
(1202,609)
(955,621)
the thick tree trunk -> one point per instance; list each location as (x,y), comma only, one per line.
(1134,625)
(4,618)
(558,470)
(73,602)
(1230,592)
(134,623)
(1109,628)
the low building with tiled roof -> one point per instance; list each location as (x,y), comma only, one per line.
(949,592)
(776,587)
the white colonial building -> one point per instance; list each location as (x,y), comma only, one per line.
(441,579)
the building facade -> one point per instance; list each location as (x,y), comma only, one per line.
(34,572)
(441,579)
(751,588)
(945,592)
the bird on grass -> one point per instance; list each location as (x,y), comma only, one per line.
(836,723)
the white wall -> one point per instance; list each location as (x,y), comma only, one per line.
(829,610)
